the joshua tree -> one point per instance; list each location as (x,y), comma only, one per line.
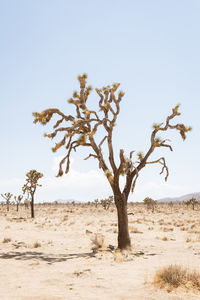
(150,203)
(107,202)
(30,186)
(80,130)
(110,200)
(26,203)
(7,197)
(193,201)
(18,200)
(187,202)
(96,202)
(171,204)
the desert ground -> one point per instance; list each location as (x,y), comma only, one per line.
(53,256)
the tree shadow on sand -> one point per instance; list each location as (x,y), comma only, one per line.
(49,258)
(54,258)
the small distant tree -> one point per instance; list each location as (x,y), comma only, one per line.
(150,203)
(30,187)
(18,200)
(187,202)
(192,201)
(103,203)
(96,202)
(26,203)
(171,204)
(93,128)
(7,197)
(107,202)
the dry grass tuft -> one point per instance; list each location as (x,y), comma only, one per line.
(165,229)
(134,229)
(98,240)
(6,240)
(175,276)
(65,218)
(36,245)
(71,223)
(164,239)
(188,240)
(150,228)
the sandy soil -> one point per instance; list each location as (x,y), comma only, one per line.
(51,257)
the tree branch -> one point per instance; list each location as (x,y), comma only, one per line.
(163,163)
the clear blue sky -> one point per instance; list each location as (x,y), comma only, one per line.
(151,47)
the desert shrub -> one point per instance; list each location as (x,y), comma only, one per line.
(98,240)
(188,240)
(134,229)
(150,203)
(175,276)
(65,218)
(164,239)
(36,245)
(6,240)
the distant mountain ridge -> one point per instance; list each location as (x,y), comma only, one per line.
(181,198)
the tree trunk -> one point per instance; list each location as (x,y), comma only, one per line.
(124,241)
(17,206)
(32,207)
(7,206)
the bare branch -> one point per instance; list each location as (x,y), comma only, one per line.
(102,141)
(122,161)
(163,163)
(131,154)
(134,181)
(165,145)
(91,155)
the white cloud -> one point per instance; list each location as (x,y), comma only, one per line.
(86,186)
(75,179)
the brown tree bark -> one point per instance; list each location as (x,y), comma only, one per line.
(124,241)
(32,207)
